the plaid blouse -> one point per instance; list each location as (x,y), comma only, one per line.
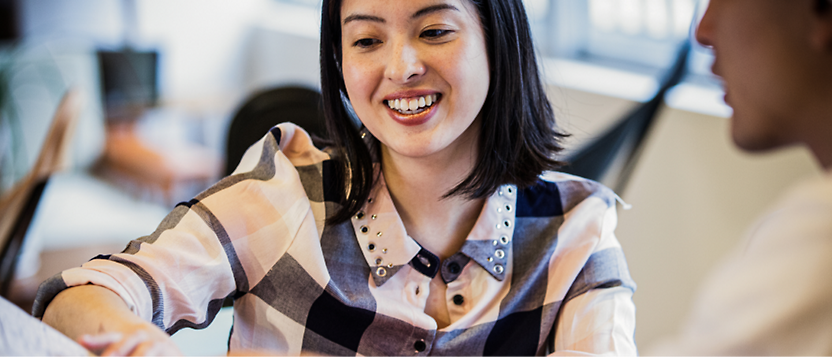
(541,270)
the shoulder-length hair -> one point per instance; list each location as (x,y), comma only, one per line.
(518,139)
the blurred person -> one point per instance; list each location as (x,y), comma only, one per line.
(437,227)
(772,296)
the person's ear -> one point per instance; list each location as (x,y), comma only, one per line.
(822,27)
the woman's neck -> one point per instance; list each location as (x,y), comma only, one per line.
(417,187)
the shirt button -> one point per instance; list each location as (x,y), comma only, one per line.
(420,346)
(458,299)
(454,268)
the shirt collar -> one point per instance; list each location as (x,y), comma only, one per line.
(387,247)
(488,244)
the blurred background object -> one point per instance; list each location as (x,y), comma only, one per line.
(622,142)
(164,80)
(18,204)
(258,114)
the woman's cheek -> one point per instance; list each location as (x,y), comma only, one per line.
(358,78)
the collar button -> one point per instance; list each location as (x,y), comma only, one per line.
(420,346)
(454,268)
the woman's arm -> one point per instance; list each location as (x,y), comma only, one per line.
(601,320)
(598,314)
(100,320)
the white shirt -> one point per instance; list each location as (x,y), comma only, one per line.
(773,295)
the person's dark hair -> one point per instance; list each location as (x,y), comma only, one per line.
(518,138)
(822,6)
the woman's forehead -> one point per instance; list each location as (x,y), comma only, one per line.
(381,11)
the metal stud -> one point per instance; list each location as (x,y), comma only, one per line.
(500,254)
(364,229)
(373,217)
(494,243)
(363,134)
(489,259)
(390,265)
(423,260)
(503,239)
(380,271)
(384,250)
(498,269)
(378,234)
(371,247)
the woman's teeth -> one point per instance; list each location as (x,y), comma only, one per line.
(412,105)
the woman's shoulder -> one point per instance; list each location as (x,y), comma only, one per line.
(556,193)
(292,141)
(297,145)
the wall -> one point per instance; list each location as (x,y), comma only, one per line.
(693,195)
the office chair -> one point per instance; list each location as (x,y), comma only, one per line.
(18,205)
(625,139)
(266,109)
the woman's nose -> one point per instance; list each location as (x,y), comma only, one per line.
(404,64)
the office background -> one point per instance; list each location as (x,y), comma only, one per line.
(693,194)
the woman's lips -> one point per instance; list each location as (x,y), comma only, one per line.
(420,116)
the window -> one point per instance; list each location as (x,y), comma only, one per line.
(639,35)
(310,3)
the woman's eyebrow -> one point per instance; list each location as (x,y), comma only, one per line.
(362,17)
(431,9)
(428,10)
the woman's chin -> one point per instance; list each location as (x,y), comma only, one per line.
(411,151)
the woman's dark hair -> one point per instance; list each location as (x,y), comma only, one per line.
(518,138)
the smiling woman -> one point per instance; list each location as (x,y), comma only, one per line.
(438,226)
(406,54)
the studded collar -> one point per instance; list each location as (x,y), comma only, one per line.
(388,248)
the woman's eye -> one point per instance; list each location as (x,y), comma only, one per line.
(435,33)
(366,42)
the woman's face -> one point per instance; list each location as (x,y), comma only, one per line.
(416,72)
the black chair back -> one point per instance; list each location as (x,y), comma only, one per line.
(266,109)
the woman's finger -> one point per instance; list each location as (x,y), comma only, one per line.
(157,348)
(146,348)
(96,343)
(126,346)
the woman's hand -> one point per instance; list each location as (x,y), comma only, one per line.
(140,342)
(101,322)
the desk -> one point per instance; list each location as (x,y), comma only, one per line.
(23,335)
